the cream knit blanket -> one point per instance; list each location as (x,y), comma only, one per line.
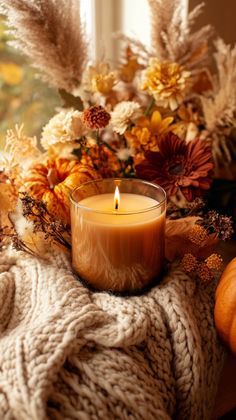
(67,353)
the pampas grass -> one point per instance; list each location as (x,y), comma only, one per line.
(49,32)
(173,38)
(219,105)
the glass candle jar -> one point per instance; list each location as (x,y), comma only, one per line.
(118,239)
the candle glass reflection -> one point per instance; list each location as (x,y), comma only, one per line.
(118,248)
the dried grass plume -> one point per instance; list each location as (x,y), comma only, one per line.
(173,38)
(51,35)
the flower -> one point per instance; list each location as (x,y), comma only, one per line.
(167,82)
(66,126)
(204,273)
(214,262)
(197,234)
(189,263)
(99,78)
(178,166)
(220,225)
(125,153)
(128,70)
(146,130)
(123,114)
(95,117)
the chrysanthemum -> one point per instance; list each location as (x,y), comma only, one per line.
(66,126)
(178,165)
(167,82)
(123,114)
(95,117)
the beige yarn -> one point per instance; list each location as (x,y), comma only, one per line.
(67,353)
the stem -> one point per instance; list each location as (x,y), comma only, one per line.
(149,107)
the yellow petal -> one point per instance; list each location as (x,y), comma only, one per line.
(156,117)
(165,124)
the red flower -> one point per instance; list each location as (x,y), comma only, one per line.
(178,165)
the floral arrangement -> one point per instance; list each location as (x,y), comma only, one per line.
(161,114)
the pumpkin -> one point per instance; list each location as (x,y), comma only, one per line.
(225,306)
(53,181)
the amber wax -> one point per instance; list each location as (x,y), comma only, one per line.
(118,239)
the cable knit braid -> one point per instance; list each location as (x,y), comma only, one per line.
(67,353)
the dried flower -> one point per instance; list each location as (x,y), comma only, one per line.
(189,263)
(66,126)
(178,165)
(197,234)
(20,147)
(123,114)
(26,236)
(221,226)
(167,82)
(214,262)
(128,70)
(95,117)
(204,273)
(45,223)
(99,78)
(143,136)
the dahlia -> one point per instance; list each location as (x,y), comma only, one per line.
(178,166)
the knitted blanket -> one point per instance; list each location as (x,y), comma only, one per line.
(67,353)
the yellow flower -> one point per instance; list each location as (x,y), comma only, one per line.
(144,134)
(11,73)
(99,78)
(167,82)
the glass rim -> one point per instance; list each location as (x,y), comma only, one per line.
(120,213)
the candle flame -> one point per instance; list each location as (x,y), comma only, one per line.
(117,198)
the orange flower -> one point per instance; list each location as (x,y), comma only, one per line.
(143,136)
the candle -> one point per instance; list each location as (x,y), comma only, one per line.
(118,242)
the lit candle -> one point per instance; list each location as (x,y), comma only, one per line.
(118,239)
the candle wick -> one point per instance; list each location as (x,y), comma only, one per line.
(116,205)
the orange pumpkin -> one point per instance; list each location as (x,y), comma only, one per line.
(225,306)
(52,182)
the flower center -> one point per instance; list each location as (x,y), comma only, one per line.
(176,168)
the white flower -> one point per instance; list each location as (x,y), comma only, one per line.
(123,114)
(125,153)
(66,126)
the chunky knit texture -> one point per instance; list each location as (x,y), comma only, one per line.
(67,353)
